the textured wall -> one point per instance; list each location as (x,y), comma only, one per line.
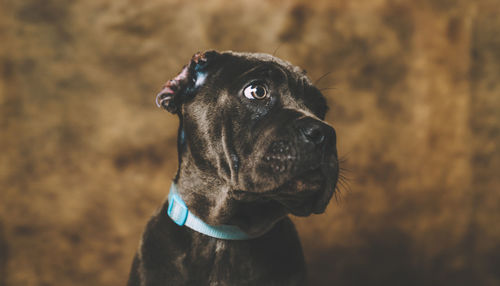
(414,90)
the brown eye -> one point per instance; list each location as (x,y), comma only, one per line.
(255,91)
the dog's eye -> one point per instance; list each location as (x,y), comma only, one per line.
(255,91)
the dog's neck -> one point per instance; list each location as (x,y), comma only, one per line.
(215,202)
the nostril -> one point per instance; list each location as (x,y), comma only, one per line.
(314,134)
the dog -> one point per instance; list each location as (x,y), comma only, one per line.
(253,147)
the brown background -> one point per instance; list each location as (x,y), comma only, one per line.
(414,90)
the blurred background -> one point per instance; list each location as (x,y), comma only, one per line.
(414,94)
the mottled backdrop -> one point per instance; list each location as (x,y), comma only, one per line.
(414,90)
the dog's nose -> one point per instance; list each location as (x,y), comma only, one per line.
(315,132)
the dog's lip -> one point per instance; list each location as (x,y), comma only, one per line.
(299,181)
(300,206)
(301,193)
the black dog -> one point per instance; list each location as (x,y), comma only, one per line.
(253,147)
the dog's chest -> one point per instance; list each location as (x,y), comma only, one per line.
(215,260)
(220,263)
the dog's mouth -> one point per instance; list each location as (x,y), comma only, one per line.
(304,182)
(304,194)
(301,181)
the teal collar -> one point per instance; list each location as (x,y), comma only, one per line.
(179,213)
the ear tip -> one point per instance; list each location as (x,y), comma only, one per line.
(163,98)
(159,99)
(169,97)
(203,56)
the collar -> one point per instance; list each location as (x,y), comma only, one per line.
(179,213)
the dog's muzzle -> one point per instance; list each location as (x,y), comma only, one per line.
(305,168)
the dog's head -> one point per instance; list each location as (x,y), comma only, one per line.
(257,122)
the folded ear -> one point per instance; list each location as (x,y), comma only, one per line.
(191,77)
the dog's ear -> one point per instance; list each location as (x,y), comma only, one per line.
(185,83)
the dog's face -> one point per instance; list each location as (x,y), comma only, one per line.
(257,122)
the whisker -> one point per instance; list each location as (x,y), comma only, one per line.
(336,194)
(343,179)
(340,189)
(327,88)
(343,182)
(344,157)
(321,77)
(275,50)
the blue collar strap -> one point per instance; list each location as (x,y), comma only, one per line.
(179,213)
